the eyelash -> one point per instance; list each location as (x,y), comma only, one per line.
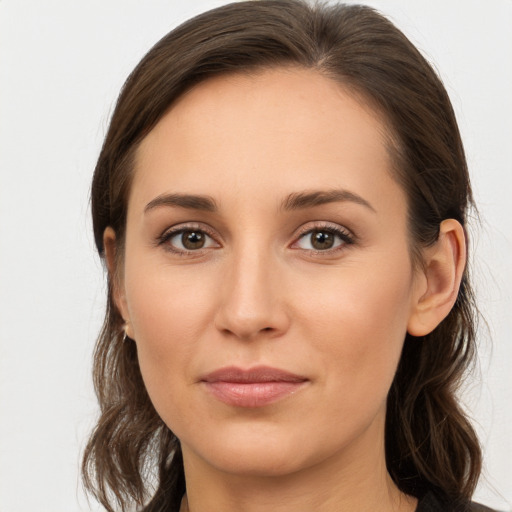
(346,237)
(165,237)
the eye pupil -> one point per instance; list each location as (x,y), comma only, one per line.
(322,240)
(192,239)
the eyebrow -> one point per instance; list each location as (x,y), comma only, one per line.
(189,201)
(294,201)
(301,200)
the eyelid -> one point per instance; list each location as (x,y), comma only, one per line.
(347,236)
(172,231)
(344,233)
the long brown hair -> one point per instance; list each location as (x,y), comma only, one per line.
(132,457)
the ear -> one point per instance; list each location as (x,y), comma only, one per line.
(440,279)
(115,274)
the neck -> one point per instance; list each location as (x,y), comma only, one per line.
(344,482)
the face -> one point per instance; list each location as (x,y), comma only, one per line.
(266,278)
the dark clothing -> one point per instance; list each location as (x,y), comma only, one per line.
(429,503)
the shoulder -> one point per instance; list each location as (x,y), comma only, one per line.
(430,503)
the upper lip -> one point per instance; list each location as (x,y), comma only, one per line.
(252,375)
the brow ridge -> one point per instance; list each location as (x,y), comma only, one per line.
(309,199)
(189,201)
(294,201)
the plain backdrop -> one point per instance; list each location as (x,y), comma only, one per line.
(62,63)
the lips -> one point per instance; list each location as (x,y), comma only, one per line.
(255,387)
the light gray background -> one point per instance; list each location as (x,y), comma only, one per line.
(62,63)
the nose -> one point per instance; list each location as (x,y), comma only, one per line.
(252,300)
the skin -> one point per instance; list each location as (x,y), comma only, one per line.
(258,293)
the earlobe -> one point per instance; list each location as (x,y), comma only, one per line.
(118,294)
(444,265)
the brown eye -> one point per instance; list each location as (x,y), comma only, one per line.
(322,240)
(188,240)
(193,240)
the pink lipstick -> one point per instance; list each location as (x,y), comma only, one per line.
(255,387)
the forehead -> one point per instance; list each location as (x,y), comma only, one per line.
(264,132)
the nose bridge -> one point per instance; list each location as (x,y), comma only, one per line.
(251,283)
(250,302)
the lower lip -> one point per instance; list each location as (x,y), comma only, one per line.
(252,394)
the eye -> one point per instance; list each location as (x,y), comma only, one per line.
(184,240)
(323,239)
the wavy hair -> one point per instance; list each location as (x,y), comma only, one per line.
(132,457)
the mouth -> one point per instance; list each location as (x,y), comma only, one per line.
(255,387)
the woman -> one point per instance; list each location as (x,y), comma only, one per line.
(281,202)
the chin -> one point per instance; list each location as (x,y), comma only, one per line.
(250,462)
(260,451)
(250,450)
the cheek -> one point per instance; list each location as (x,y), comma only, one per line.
(359,323)
(165,303)
(169,315)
